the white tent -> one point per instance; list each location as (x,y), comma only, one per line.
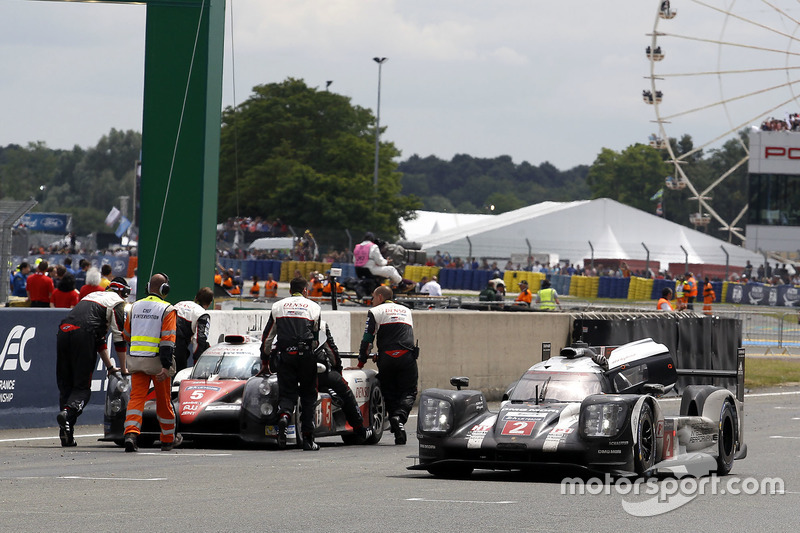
(272,243)
(566,229)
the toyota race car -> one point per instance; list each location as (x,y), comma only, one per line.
(222,396)
(581,408)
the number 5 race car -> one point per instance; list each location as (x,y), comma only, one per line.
(221,396)
(581,408)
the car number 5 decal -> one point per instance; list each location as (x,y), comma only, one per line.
(197,395)
(518,427)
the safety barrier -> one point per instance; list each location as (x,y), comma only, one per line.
(778,329)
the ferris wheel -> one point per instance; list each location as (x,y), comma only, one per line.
(718,67)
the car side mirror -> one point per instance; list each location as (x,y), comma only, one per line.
(656,389)
(458,382)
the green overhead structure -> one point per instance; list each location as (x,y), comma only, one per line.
(184,44)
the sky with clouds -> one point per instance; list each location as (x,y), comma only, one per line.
(539,81)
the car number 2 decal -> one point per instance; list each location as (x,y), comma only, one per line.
(518,427)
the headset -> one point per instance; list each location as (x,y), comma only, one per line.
(164,289)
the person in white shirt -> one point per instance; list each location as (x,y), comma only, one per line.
(432,287)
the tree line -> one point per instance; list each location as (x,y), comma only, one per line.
(306,156)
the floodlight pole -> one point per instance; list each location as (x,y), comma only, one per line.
(380,61)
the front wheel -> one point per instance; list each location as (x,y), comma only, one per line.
(645,450)
(727,439)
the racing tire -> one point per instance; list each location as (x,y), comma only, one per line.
(727,439)
(644,453)
(377,413)
(450,471)
(377,416)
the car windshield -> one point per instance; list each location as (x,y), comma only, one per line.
(556,386)
(226,365)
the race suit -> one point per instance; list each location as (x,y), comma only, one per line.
(332,379)
(392,326)
(288,342)
(191,335)
(81,335)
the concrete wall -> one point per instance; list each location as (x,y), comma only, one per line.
(492,348)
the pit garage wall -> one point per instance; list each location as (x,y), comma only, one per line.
(492,348)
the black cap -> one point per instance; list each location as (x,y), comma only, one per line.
(120,286)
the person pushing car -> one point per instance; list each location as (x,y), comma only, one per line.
(390,325)
(81,336)
(287,348)
(331,379)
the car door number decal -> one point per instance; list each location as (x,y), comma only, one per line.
(518,427)
(197,395)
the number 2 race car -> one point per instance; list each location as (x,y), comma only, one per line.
(583,409)
(221,396)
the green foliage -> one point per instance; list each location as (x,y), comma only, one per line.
(473,185)
(307,157)
(83,183)
(631,177)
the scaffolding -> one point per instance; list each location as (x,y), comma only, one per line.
(10,213)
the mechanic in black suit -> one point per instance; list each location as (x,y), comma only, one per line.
(390,325)
(331,379)
(81,337)
(287,347)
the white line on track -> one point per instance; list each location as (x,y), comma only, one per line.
(456,501)
(54,437)
(782,437)
(114,478)
(162,454)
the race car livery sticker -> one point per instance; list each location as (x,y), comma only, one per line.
(203,387)
(539,414)
(566,425)
(478,432)
(518,428)
(272,431)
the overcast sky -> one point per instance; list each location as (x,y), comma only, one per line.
(540,81)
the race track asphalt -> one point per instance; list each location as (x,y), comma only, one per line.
(97,487)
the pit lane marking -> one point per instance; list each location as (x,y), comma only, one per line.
(48,438)
(115,478)
(163,454)
(457,501)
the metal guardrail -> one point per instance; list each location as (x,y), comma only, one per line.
(770,329)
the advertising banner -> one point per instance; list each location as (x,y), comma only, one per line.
(756,294)
(28,391)
(50,222)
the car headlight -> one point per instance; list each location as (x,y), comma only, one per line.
(264,388)
(266,408)
(604,419)
(115,406)
(123,385)
(435,415)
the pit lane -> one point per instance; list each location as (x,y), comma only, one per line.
(96,486)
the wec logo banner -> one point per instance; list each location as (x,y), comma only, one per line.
(13,353)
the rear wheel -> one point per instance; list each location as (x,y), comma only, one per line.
(377,414)
(645,450)
(727,439)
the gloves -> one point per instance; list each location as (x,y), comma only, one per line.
(600,360)
(360,364)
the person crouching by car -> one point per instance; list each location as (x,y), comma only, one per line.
(193,323)
(331,379)
(390,327)
(81,337)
